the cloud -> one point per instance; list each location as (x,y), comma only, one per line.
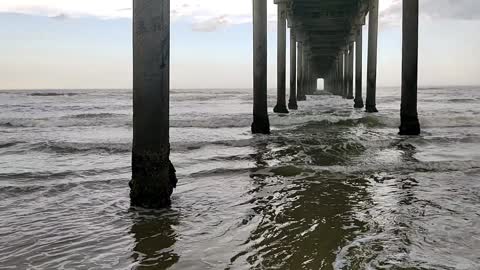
(60,17)
(204,15)
(210,15)
(451,9)
(71,8)
(391,13)
(210,25)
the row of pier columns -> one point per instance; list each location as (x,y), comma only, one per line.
(153,175)
(341,77)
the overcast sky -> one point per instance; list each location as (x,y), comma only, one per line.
(87,43)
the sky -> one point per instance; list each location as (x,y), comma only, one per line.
(78,44)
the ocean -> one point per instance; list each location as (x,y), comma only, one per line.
(331,188)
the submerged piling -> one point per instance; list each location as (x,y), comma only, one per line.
(301,73)
(338,77)
(261,123)
(281,106)
(343,74)
(292,102)
(153,175)
(358,69)
(371,105)
(409,115)
(350,72)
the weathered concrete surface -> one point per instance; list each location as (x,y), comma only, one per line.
(281,106)
(409,115)
(153,179)
(153,175)
(261,123)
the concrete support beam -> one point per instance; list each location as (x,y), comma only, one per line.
(409,115)
(350,72)
(301,73)
(261,123)
(292,102)
(372,57)
(281,106)
(153,175)
(358,69)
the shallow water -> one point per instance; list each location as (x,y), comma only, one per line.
(331,188)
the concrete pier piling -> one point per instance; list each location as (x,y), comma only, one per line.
(261,123)
(153,175)
(350,72)
(345,75)
(281,106)
(333,77)
(311,86)
(292,102)
(341,75)
(300,70)
(306,75)
(334,89)
(409,115)
(314,84)
(371,105)
(338,79)
(358,69)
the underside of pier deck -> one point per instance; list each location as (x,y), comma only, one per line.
(325,27)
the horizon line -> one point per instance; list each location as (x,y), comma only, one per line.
(218,88)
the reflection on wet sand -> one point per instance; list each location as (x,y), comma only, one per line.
(305,216)
(155,237)
(407,150)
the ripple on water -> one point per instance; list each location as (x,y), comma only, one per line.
(331,188)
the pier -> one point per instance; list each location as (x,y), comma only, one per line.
(325,43)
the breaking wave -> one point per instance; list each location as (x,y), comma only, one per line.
(50,94)
(79,148)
